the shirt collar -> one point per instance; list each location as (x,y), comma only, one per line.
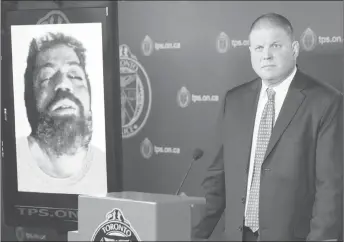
(284,85)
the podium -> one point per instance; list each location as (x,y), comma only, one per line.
(136,216)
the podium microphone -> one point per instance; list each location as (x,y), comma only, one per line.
(198,153)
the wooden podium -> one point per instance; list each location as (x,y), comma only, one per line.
(136,216)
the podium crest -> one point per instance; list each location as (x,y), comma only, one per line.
(115,228)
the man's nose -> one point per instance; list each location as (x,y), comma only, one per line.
(267,53)
(63,82)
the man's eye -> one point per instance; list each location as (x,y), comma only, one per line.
(275,45)
(75,77)
(44,80)
(259,48)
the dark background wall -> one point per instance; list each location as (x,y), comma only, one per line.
(191,59)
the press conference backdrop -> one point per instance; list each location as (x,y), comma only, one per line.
(185,56)
(178,59)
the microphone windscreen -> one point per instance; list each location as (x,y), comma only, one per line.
(198,153)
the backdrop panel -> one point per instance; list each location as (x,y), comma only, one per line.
(189,54)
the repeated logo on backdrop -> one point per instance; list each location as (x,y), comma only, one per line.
(20,233)
(136,93)
(23,235)
(309,40)
(147,149)
(224,43)
(184,98)
(148,46)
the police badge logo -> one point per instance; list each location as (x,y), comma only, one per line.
(136,93)
(147,46)
(146,148)
(20,233)
(183,97)
(115,228)
(222,43)
(308,39)
(54,17)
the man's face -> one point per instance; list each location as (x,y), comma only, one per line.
(60,83)
(62,101)
(273,53)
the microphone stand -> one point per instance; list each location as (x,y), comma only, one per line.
(181,184)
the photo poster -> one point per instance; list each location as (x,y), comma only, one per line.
(67,83)
(62,132)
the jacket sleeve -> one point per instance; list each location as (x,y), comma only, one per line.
(326,222)
(214,187)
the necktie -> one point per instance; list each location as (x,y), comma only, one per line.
(264,133)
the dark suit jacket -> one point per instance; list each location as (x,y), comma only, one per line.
(301,183)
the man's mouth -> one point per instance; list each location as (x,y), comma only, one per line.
(64,107)
(268,66)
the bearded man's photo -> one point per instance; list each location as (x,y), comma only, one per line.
(57,155)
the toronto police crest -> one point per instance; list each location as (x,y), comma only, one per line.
(222,43)
(54,17)
(146,148)
(136,93)
(308,39)
(183,97)
(20,233)
(147,46)
(115,228)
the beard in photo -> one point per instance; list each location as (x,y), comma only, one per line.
(64,134)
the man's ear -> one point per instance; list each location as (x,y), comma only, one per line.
(296,48)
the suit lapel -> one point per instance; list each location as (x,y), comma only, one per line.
(247,115)
(289,108)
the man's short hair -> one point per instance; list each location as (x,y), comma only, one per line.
(276,20)
(36,46)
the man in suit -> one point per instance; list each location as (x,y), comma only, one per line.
(278,170)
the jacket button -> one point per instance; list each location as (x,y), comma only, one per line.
(243,199)
(240,228)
